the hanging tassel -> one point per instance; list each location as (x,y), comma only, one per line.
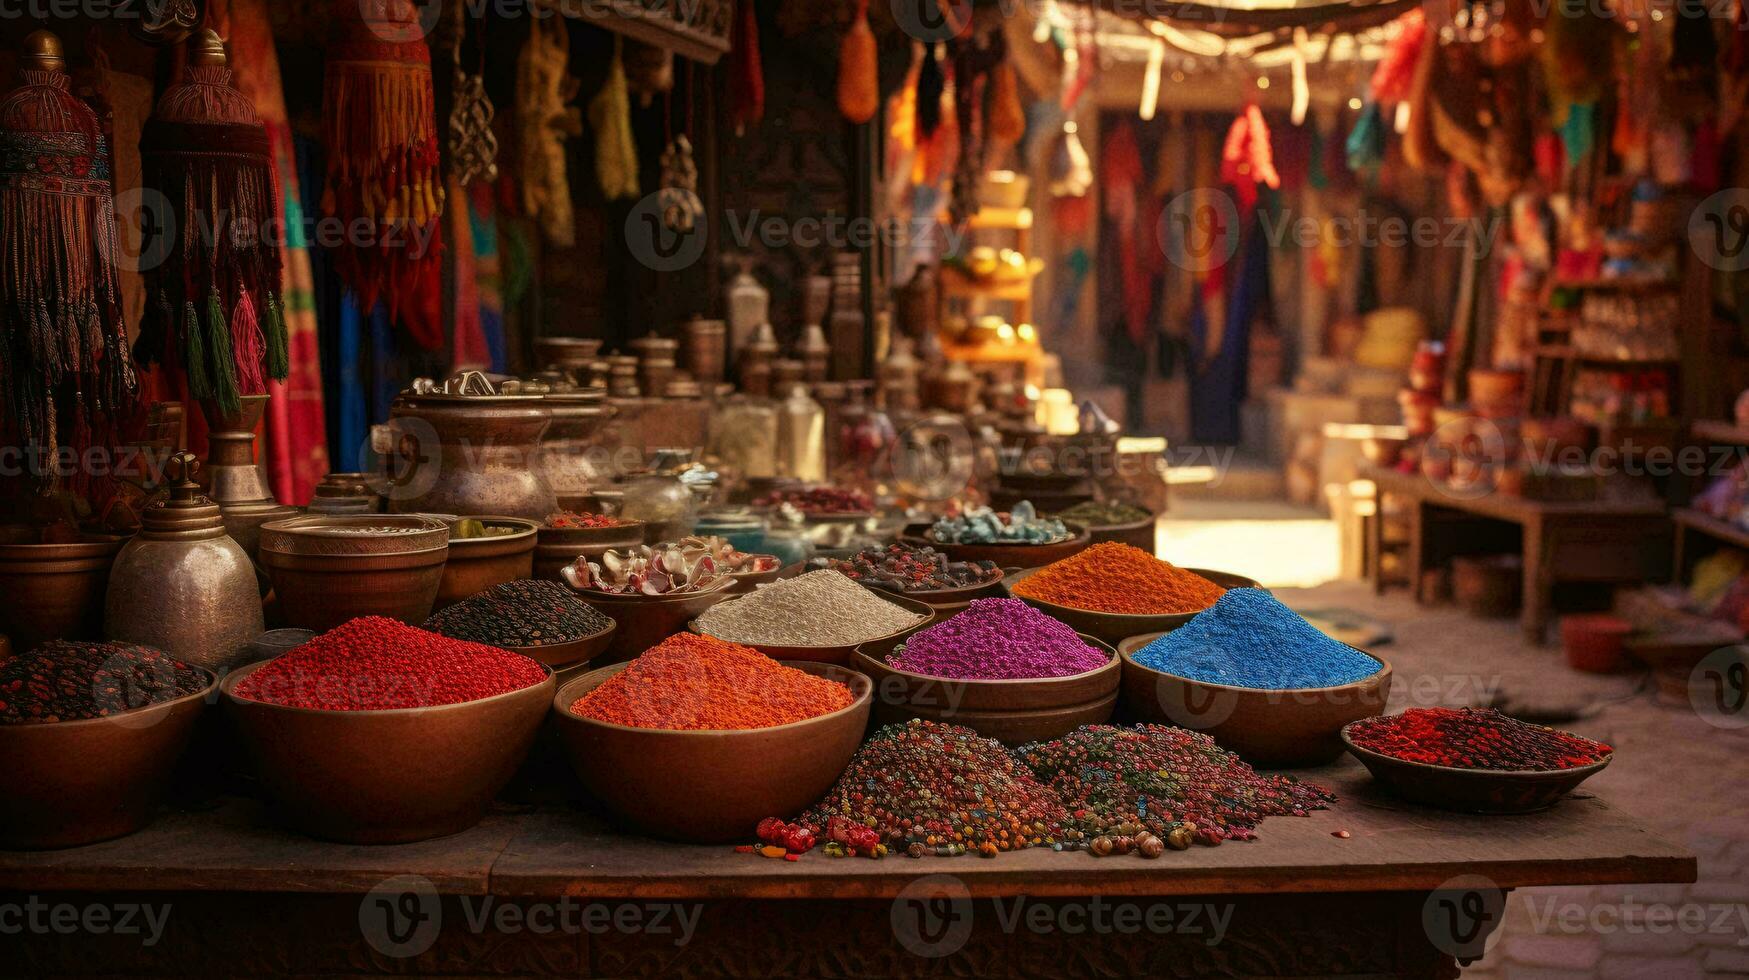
(859,86)
(199,362)
(247,347)
(223,364)
(610,115)
(1007,115)
(277,339)
(746,73)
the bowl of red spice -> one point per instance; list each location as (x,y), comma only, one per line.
(89,736)
(698,739)
(1474,760)
(377,732)
(568,536)
(1114,591)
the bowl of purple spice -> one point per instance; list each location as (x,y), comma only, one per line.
(1000,668)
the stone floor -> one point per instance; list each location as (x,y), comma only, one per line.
(1687,779)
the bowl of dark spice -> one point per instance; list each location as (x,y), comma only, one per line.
(1113,521)
(1114,591)
(571,536)
(920,573)
(1256,677)
(377,732)
(541,620)
(697,739)
(1474,760)
(1019,538)
(1001,668)
(89,737)
(820,616)
(483,552)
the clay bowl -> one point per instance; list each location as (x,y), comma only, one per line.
(325,574)
(571,653)
(1472,790)
(55,591)
(1116,627)
(844,653)
(947,602)
(556,547)
(391,776)
(1269,729)
(646,620)
(710,786)
(1136,534)
(1007,555)
(67,783)
(1010,711)
(745,582)
(476,564)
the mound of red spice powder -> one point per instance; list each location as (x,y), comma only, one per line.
(1475,738)
(699,683)
(1119,578)
(374,663)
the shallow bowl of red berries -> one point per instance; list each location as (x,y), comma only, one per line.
(1474,760)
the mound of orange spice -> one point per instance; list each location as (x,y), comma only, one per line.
(697,683)
(1118,578)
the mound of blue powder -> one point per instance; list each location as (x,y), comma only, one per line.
(1250,640)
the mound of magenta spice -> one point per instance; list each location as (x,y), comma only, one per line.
(373,663)
(523,613)
(1475,738)
(65,680)
(817,609)
(1249,639)
(997,639)
(903,568)
(1118,578)
(696,683)
(926,788)
(1175,786)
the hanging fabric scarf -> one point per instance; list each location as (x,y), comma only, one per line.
(746,72)
(380,133)
(213,305)
(610,115)
(1247,159)
(66,379)
(545,117)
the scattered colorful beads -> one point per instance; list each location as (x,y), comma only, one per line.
(1475,738)
(65,680)
(698,683)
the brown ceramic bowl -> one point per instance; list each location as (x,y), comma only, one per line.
(1136,534)
(746,582)
(947,602)
(1472,790)
(67,783)
(710,786)
(1116,627)
(842,654)
(646,620)
(1010,711)
(571,653)
(1008,555)
(1269,729)
(325,574)
(476,564)
(391,776)
(557,547)
(55,591)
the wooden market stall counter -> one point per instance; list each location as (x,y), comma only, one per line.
(246,898)
(1598,541)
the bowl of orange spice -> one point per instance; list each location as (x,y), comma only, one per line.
(1113,591)
(699,739)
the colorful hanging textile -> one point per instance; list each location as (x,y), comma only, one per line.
(859,84)
(296,448)
(545,117)
(380,133)
(746,73)
(610,115)
(488,271)
(1247,159)
(66,378)
(213,304)
(1395,72)
(468,345)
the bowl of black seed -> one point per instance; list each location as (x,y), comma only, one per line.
(542,620)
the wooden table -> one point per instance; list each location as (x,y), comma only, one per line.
(1601,541)
(244,897)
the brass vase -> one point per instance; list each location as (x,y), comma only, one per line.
(235,481)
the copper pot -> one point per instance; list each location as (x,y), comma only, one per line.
(326,572)
(474,565)
(55,591)
(470,455)
(574,449)
(560,546)
(566,353)
(706,353)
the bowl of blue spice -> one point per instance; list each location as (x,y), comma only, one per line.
(1257,678)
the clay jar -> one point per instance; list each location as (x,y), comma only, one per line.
(569,446)
(470,455)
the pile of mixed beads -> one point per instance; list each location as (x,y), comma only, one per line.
(1176,786)
(982,525)
(1111,577)
(644,570)
(374,663)
(1475,738)
(931,789)
(817,609)
(574,520)
(819,500)
(65,680)
(1249,639)
(997,639)
(1091,513)
(903,568)
(696,683)
(523,613)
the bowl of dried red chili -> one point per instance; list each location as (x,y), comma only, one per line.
(381,733)
(567,536)
(1474,760)
(698,739)
(1115,591)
